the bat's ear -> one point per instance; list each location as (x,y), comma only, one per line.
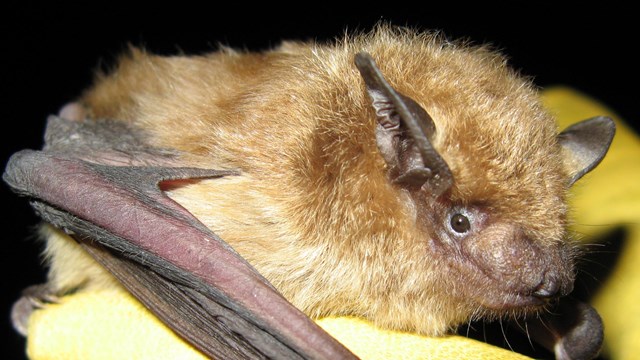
(584,145)
(404,134)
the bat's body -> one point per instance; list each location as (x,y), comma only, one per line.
(325,201)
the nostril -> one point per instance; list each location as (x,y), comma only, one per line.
(548,288)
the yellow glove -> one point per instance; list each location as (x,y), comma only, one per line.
(112,325)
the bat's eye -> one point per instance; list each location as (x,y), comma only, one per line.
(460,223)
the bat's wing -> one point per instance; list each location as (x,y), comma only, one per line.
(99,182)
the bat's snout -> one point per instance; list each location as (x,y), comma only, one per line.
(519,270)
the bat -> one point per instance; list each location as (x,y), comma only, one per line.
(394,175)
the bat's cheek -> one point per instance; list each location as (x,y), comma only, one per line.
(514,271)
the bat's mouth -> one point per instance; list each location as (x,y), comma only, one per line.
(507,293)
(513,301)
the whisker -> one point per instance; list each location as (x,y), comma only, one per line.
(484,332)
(526,332)
(474,316)
(504,335)
(541,320)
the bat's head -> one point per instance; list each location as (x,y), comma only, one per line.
(486,187)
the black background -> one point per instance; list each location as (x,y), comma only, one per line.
(49,54)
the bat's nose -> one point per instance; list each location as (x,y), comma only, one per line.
(551,287)
(546,289)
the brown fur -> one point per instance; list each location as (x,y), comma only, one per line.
(313,210)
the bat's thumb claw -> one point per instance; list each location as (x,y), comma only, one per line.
(33,298)
(73,111)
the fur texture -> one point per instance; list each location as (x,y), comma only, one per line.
(314,210)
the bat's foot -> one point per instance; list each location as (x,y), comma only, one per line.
(33,298)
(572,330)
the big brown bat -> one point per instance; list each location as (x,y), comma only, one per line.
(394,175)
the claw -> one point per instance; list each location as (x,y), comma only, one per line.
(33,298)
